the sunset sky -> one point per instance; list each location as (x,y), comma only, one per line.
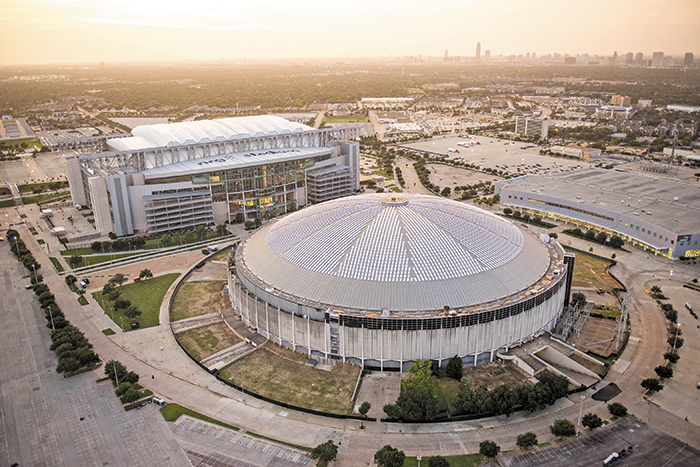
(71,31)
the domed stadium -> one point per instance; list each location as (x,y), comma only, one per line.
(383,280)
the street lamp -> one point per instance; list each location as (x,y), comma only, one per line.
(53,328)
(678,328)
(34,269)
(579,415)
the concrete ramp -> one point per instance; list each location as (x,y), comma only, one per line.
(224,357)
(196,322)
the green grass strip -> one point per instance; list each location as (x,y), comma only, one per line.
(56,264)
(172,411)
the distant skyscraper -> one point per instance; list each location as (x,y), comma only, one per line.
(668,61)
(657,59)
(527,57)
(639,58)
(629,58)
(534,55)
(487,55)
(478,50)
(688,59)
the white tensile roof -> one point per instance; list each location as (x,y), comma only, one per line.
(205,131)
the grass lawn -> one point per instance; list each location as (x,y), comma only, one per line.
(56,264)
(606,311)
(33,231)
(589,271)
(151,244)
(108,332)
(220,256)
(450,392)
(198,298)
(78,251)
(281,374)
(30,187)
(205,341)
(41,242)
(172,411)
(7,203)
(495,374)
(147,296)
(82,300)
(467,460)
(92,260)
(45,197)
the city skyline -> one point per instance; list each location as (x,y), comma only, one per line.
(75,31)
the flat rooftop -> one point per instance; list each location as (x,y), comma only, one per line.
(673,204)
(234,161)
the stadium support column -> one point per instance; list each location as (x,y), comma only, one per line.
(569,260)
(308,333)
(279,324)
(294,333)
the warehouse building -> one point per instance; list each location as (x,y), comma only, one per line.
(384,280)
(657,214)
(177,176)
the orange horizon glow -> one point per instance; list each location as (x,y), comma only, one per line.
(79,31)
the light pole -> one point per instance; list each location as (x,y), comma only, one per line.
(580,412)
(114,365)
(34,269)
(678,328)
(16,249)
(419,458)
(53,328)
(121,325)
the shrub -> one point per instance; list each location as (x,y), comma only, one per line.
(592,421)
(562,428)
(617,410)
(652,385)
(489,448)
(672,357)
(664,371)
(526,440)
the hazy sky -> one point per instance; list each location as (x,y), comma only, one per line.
(59,31)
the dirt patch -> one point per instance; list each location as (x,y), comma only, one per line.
(597,337)
(282,375)
(208,340)
(198,298)
(494,374)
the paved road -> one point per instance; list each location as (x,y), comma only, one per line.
(180,380)
(412,184)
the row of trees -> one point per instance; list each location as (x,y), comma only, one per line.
(70,345)
(24,256)
(112,290)
(504,400)
(600,237)
(123,380)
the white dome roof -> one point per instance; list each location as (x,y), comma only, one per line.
(393,238)
(370,253)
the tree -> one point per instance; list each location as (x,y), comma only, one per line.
(75,261)
(123,387)
(652,385)
(96,246)
(112,236)
(70,280)
(675,342)
(446,192)
(664,371)
(240,218)
(507,211)
(672,357)
(132,312)
(455,367)
(563,428)
(591,421)
(68,364)
(166,240)
(390,457)
(590,235)
(616,242)
(438,461)
(601,237)
(617,410)
(325,452)
(489,448)
(119,279)
(221,230)
(131,395)
(364,408)
(145,274)
(526,440)
(122,304)
(113,367)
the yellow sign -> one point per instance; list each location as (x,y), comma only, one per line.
(214,179)
(692,254)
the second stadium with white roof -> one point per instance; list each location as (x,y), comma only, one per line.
(177,176)
(383,280)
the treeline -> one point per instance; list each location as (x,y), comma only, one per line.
(19,248)
(420,397)
(70,345)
